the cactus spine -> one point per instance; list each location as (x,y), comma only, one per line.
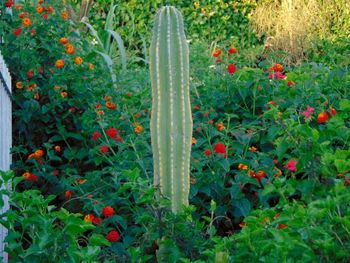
(171,119)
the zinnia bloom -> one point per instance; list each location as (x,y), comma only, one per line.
(110,105)
(308,112)
(89,218)
(70,49)
(64,15)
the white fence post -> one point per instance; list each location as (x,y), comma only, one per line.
(5,139)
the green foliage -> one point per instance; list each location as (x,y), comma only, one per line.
(205,20)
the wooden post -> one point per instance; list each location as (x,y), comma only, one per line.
(5,140)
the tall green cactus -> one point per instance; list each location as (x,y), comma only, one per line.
(171,119)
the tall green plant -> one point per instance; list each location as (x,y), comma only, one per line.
(171,121)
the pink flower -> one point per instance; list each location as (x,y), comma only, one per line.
(291,165)
(277,75)
(308,112)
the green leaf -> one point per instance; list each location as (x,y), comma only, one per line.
(344,105)
(98,240)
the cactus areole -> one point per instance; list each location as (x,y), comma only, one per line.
(171,119)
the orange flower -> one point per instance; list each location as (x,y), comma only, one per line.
(63,40)
(193,180)
(59,63)
(89,218)
(138,128)
(220,126)
(194,141)
(38,154)
(39,9)
(70,49)
(277,68)
(68,194)
(49,9)
(81,181)
(91,66)
(242,166)
(31,156)
(64,15)
(58,148)
(26,22)
(252,149)
(19,85)
(78,60)
(64,94)
(216,53)
(278,173)
(56,87)
(100,112)
(110,105)
(31,87)
(107,98)
(26,175)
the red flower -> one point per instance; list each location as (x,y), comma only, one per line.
(277,68)
(96,135)
(218,60)
(231,68)
(220,148)
(112,132)
(333,111)
(290,83)
(30,74)
(118,139)
(96,221)
(9,3)
(322,117)
(104,149)
(282,226)
(32,32)
(207,152)
(113,236)
(232,50)
(56,172)
(68,194)
(292,165)
(45,16)
(17,32)
(216,53)
(108,211)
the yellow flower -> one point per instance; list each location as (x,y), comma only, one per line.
(19,85)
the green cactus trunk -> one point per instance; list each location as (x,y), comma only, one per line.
(171,119)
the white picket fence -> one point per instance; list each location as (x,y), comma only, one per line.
(5,139)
